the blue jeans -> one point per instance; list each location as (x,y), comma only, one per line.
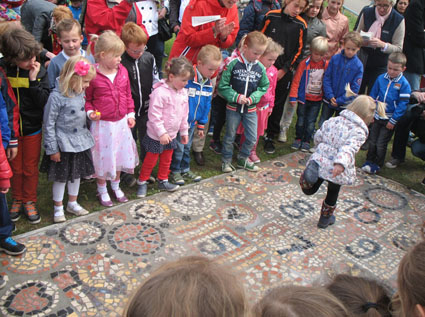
(327,112)
(249,122)
(418,149)
(180,162)
(307,115)
(6,224)
(413,79)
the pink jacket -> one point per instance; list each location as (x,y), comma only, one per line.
(168,111)
(112,100)
(336,28)
(268,97)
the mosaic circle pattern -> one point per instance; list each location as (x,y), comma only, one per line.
(136,239)
(385,198)
(43,253)
(112,217)
(191,202)
(404,237)
(32,298)
(150,211)
(273,176)
(237,214)
(82,233)
(230,193)
(232,179)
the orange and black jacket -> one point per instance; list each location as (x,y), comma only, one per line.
(290,33)
(31,96)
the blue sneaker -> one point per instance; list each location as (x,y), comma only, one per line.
(296,145)
(367,168)
(305,147)
(11,247)
(142,189)
(374,168)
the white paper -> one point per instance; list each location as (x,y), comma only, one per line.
(196,21)
(366,35)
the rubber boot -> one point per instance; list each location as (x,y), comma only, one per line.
(327,217)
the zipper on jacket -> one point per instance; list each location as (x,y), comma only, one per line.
(136,62)
(248,68)
(21,126)
(199,101)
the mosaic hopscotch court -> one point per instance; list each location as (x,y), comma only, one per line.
(261,223)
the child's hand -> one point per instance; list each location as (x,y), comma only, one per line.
(338,169)
(95,115)
(4,190)
(165,139)
(243,100)
(184,139)
(131,122)
(35,68)
(390,126)
(201,133)
(56,157)
(293,103)
(11,153)
(333,102)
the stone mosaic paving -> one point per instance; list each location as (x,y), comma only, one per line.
(261,223)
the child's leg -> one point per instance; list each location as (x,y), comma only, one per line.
(118,193)
(332,194)
(73,206)
(249,122)
(185,160)
(164,164)
(288,114)
(328,206)
(102,193)
(233,119)
(301,121)
(58,192)
(382,143)
(148,164)
(141,131)
(374,132)
(219,105)
(312,111)
(178,154)
(31,151)
(17,179)
(6,225)
(312,190)
(327,112)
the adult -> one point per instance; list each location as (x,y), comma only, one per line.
(414,42)
(386,28)
(336,25)
(401,6)
(177,8)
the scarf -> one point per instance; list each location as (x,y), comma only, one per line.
(376,26)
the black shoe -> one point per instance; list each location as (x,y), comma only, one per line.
(128,179)
(11,247)
(31,211)
(269,146)
(215,147)
(199,158)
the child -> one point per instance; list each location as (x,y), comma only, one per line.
(110,106)
(67,141)
(242,84)
(299,301)
(70,37)
(411,291)
(393,89)
(193,286)
(306,88)
(344,68)
(200,92)
(287,28)
(29,81)
(59,13)
(337,142)
(266,104)
(362,297)
(76,8)
(168,112)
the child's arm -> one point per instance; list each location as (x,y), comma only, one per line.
(355,84)
(375,90)
(184,125)
(328,92)
(403,101)
(52,72)
(273,83)
(155,113)
(347,152)
(5,130)
(224,87)
(51,114)
(262,87)
(5,172)
(131,116)
(293,93)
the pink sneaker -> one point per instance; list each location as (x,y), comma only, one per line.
(254,158)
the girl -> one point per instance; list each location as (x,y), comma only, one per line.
(337,142)
(167,115)
(266,104)
(410,290)
(315,25)
(193,286)
(336,25)
(110,105)
(401,6)
(67,141)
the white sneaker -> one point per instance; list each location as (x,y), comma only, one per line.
(59,217)
(366,169)
(282,136)
(76,209)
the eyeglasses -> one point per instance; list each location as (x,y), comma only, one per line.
(383,6)
(137,51)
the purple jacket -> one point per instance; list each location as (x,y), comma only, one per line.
(168,111)
(112,100)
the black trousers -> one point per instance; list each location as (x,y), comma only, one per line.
(331,195)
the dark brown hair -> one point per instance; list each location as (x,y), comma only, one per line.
(18,45)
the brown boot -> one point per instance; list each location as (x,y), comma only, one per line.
(327,217)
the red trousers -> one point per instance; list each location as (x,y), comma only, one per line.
(25,168)
(150,161)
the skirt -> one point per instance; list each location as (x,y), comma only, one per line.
(154,146)
(72,166)
(115,149)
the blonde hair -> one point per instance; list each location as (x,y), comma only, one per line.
(362,297)
(319,44)
(179,66)
(398,58)
(209,53)
(70,83)
(273,47)
(108,42)
(132,33)
(60,13)
(254,39)
(354,37)
(411,272)
(66,25)
(299,301)
(192,286)
(364,106)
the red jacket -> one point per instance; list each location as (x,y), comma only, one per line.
(5,171)
(100,18)
(191,39)
(112,100)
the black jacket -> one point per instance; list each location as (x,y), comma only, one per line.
(414,39)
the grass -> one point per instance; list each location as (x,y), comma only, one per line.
(409,174)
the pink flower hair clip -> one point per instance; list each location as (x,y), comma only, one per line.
(82,68)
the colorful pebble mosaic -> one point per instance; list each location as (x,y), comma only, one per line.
(259,223)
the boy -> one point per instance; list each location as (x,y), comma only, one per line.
(243,82)
(143,74)
(70,37)
(31,86)
(307,90)
(344,68)
(393,89)
(200,93)
(287,28)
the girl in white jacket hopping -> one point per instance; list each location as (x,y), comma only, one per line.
(337,142)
